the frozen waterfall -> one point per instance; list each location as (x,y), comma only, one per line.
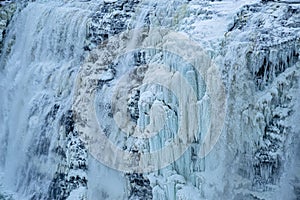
(42,53)
(142,99)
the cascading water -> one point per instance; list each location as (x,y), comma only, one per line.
(37,75)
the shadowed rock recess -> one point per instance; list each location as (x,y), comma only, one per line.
(56,55)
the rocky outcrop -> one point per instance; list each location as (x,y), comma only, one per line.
(111,18)
(72,169)
(7,10)
(139,187)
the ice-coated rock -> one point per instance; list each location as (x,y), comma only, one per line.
(7,10)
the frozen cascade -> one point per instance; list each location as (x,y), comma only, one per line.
(134,56)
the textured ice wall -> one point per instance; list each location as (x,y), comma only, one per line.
(269,60)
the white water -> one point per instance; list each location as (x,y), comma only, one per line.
(39,72)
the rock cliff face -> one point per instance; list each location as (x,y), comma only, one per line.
(150,99)
(7,11)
